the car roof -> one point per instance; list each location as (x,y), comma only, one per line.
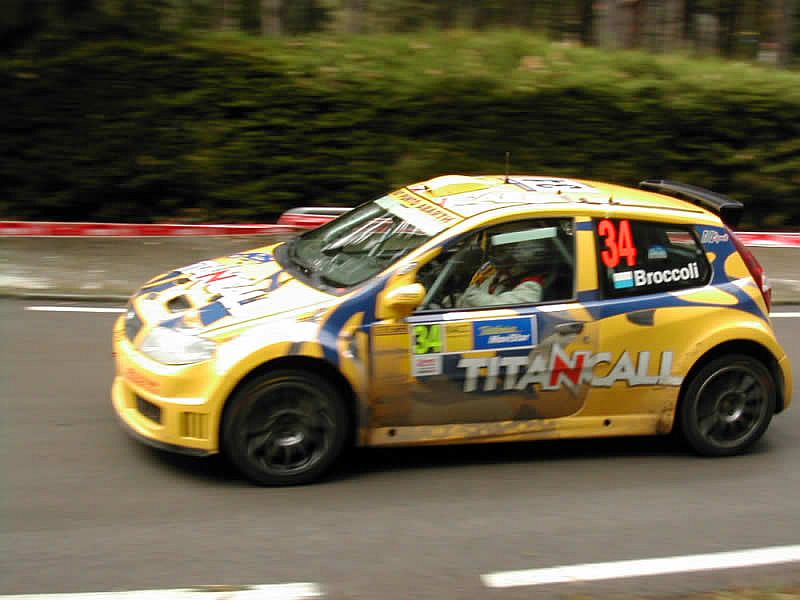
(468,196)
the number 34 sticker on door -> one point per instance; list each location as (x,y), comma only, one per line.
(433,340)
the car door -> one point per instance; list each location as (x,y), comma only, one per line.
(517,360)
(647,271)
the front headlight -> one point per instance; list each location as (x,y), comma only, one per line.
(176,347)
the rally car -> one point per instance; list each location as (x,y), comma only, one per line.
(461,309)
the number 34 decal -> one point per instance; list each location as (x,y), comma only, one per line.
(618,243)
(427,338)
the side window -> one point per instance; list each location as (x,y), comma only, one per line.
(523,262)
(641,257)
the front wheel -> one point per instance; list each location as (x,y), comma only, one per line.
(285,428)
(727,405)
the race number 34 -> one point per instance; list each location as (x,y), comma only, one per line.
(618,241)
(427,338)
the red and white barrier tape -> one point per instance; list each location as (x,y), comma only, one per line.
(50,229)
(285,226)
(766,239)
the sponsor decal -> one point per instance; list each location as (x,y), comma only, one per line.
(623,280)
(709,236)
(256,257)
(549,184)
(238,285)
(643,277)
(491,334)
(687,273)
(458,337)
(390,329)
(217,276)
(427,365)
(475,202)
(561,369)
(442,215)
(141,380)
(656,253)
(242,301)
(504,333)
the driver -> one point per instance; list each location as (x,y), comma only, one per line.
(513,273)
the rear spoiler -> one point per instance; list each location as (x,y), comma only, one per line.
(728,209)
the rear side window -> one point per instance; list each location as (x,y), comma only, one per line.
(644,257)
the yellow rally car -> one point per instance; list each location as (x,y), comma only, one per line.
(461,309)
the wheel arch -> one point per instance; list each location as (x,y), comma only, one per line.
(739,346)
(305,363)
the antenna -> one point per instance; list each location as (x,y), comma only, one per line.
(508,160)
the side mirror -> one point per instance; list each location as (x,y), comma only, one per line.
(401,301)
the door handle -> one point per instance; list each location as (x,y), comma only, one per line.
(570,328)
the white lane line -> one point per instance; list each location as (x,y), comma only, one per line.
(84,309)
(285,591)
(785,315)
(639,568)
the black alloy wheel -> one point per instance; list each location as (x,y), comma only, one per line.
(727,405)
(285,428)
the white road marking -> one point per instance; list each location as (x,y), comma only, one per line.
(785,315)
(85,309)
(638,568)
(286,591)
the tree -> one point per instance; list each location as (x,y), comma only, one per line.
(354,15)
(586,16)
(785,30)
(674,26)
(229,15)
(624,23)
(271,17)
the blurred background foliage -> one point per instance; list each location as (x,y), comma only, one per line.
(226,110)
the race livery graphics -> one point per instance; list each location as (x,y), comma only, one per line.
(490,334)
(621,312)
(641,277)
(561,369)
(713,237)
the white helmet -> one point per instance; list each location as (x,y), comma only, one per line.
(521,249)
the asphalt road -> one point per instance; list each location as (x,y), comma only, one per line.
(86,509)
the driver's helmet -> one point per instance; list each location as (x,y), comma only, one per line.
(519,250)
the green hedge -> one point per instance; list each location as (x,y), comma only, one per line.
(236,129)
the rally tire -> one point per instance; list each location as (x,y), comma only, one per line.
(727,405)
(285,427)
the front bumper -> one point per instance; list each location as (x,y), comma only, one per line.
(144,438)
(168,407)
(177,430)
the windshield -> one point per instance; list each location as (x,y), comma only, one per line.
(363,242)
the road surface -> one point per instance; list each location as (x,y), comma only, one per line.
(86,509)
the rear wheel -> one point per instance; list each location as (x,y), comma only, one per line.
(285,428)
(727,405)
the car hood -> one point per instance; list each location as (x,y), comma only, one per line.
(227,291)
